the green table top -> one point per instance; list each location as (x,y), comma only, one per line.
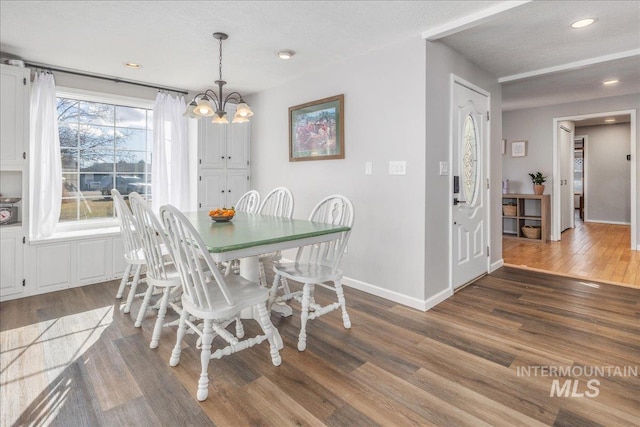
(250,230)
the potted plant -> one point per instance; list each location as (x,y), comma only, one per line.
(538,181)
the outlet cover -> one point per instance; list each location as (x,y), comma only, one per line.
(397,167)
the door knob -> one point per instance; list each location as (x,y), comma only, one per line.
(456,201)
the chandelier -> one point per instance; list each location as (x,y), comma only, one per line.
(209,103)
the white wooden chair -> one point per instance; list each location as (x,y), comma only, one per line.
(133,252)
(249,202)
(161,271)
(317,265)
(217,300)
(278,202)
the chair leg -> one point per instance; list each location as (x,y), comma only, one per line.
(123,282)
(304,316)
(205,357)
(182,329)
(143,307)
(267,327)
(273,292)
(345,316)
(239,328)
(132,291)
(157,329)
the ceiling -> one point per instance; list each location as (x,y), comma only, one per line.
(172,40)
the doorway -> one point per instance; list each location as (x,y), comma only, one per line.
(561,151)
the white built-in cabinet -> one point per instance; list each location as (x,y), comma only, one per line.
(14,175)
(223,163)
(67,263)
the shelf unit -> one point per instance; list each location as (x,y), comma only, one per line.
(531,209)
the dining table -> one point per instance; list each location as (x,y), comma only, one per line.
(248,235)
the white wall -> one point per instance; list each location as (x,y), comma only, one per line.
(384,120)
(441,62)
(607,172)
(536,126)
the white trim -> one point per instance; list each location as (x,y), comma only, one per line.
(600,221)
(412,302)
(570,66)
(555,214)
(486,151)
(496,265)
(469,21)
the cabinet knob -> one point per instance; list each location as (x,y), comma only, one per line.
(222,157)
(222,191)
(229,157)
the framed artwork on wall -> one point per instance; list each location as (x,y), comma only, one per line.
(316,130)
(519,149)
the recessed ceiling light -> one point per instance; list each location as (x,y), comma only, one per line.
(583,23)
(609,120)
(610,82)
(132,65)
(285,53)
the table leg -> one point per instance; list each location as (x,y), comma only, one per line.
(249,270)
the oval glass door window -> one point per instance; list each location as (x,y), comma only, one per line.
(470,161)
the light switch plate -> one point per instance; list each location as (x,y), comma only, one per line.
(397,167)
(368,168)
(444,168)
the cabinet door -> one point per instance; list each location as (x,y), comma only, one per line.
(13,114)
(212,189)
(212,144)
(238,146)
(11,268)
(53,268)
(237,185)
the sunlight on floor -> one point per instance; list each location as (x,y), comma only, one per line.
(56,344)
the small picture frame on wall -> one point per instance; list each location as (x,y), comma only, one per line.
(504,146)
(519,149)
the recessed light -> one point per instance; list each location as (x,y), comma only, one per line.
(609,120)
(285,53)
(610,82)
(583,23)
(132,65)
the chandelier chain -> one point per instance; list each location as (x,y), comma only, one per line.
(220,66)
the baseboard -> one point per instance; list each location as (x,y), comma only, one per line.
(412,302)
(599,221)
(496,265)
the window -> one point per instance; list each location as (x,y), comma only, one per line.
(103,145)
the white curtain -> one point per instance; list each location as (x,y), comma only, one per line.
(45,185)
(170,164)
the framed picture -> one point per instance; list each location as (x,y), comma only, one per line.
(504,146)
(316,130)
(519,149)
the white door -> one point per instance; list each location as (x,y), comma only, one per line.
(470,113)
(566,146)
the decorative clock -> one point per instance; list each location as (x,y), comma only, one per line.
(8,215)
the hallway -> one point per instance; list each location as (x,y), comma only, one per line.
(591,250)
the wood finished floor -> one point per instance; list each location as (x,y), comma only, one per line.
(591,250)
(72,358)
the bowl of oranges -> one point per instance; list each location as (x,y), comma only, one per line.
(222,214)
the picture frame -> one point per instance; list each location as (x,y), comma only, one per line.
(316,130)
(504,146)
(519,149)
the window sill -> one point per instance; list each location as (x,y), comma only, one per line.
(84,234)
